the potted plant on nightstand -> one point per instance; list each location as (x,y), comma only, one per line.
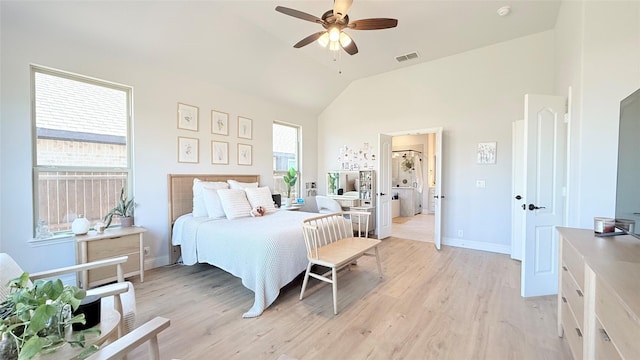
(290,179)
(124,209)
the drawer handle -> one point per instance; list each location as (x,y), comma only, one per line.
(579,293)
(604,335)
(564,299)
(579,332)
(564,268)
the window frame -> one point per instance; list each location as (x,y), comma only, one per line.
(298,146)
(39,169)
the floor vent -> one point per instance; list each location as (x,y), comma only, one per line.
(406,57)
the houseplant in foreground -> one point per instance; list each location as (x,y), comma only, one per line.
(290,179)
(124,209)
(37,318)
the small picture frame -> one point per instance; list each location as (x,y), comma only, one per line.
(188,150)
(219,152)
(487,152)
(245,130)
(219,122)
(244,154)
(187,117)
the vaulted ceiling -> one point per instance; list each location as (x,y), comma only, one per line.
(247,46)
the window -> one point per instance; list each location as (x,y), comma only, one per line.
(82,147)
(285,156)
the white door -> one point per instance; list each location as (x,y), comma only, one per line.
(383,181)
(438,196)
(518,183)
(545,153)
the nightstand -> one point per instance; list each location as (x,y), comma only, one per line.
(113,242)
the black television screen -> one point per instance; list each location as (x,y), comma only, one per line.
(628,183)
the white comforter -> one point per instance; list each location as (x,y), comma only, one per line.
(265,252)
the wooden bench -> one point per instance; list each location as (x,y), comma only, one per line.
(331,243)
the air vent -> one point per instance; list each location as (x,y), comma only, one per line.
(405,57)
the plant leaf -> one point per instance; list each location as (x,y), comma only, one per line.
(31,348)
(40,317)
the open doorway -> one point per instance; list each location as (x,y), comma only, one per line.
(413,180)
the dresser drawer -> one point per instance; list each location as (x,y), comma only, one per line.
(574,262)
(574,296)
(107,274)
(107,248)
(572,333)
(621,325)
(603,346)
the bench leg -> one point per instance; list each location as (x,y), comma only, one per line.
(334,281)
(378,261)
(305,281)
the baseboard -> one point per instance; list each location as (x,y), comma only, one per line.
(477,245)
(154,262)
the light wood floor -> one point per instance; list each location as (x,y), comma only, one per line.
(451,304)
(418,227)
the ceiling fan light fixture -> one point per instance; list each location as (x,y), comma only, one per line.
(334,46)
(345,39)
(323,40)
(334,34)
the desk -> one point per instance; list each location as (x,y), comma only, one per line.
(109,320)
(293,207)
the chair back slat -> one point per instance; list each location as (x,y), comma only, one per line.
(325,229)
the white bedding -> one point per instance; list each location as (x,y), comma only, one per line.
(265,252)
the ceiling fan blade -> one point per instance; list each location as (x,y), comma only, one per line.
(299,14)
(308,40)
(373,24)
(341,8)
(351,49)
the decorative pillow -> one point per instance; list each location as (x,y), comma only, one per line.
(235,203)
(241,185)
(199,208)
(213,204)
(260,197)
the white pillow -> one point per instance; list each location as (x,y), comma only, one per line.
(235,203)
(260,197)
(199,208)
(213,204)
(241,185)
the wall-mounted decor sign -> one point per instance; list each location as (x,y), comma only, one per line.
(187,117)
(487,152)
(244,154)
(187,150)
(219,152)
(245,128)
(219,122)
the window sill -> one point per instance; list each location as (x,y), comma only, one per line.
(56,239)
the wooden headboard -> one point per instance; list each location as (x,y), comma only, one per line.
(181,198)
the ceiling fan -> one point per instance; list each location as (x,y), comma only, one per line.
(334,21)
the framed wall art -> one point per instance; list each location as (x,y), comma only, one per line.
(187,117)
(245,130)
(487,152)
(219,152)
(219,122)
(188,150)
(244,154)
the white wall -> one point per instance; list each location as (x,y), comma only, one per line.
(474,96)
(158,87)
(598,47)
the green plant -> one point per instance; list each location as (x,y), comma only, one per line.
(36,317)
(124,207)
(290,179)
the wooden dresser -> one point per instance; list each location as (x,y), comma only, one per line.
(599,294)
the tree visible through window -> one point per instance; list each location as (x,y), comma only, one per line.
(81,145)
(285,155)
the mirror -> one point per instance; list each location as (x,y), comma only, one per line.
(628,188)
(344,183)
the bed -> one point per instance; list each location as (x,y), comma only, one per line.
(266,252)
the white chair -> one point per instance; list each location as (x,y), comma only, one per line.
(327,205)
(147,332)
(330,243)
(120,293)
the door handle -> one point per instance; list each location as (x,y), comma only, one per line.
(533,207)
(518,197)
(382,194)
(524,207)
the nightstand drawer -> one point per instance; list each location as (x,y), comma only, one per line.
(621,325)
(108,274)
(573,262)
(574,296)
(604,348)
(123,245)
(572,333)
